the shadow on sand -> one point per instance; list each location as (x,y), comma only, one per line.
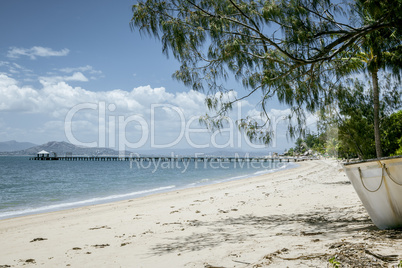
(210,234)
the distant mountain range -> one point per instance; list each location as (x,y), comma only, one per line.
(61,148)
(10,146)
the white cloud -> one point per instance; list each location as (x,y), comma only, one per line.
(15,68)
(57,97)
(77,77)
(6,81)
(36,51)
(84,69)
(49,80)
(15,98)
(90,72)
(55,100)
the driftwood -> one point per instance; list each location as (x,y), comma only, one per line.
(386,258)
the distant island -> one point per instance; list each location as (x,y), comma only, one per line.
(61,148)
(11,146)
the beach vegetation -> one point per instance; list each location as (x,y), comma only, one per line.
(301,52)
(393,134)
(334,263)
(315,143)
(350,134)
(379,50)
(354,119)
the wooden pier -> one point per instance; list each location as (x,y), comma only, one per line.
(170,158)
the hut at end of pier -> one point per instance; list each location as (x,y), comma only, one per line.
(43,153)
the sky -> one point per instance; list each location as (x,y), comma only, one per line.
(74,71)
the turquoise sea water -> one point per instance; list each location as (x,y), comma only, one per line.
(30,187)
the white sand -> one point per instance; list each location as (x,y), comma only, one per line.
(297,218)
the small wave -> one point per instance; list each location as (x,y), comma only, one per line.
(268,171)
(197,183)
(261,172)
(233,178)
(97,200)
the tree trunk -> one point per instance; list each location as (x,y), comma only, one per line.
(376,95)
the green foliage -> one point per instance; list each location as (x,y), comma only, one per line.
(380,50)
(354,118)
(332,147)
(311,141)
(356,129)
(392,134)
(290,152)
(346,130)
(316,142)
(301,146)
(356,139)
(292,49)
(334,263)
(399,151)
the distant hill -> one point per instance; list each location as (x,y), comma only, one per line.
(61,148)
(10,146)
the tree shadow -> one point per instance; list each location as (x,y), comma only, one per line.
(211,234)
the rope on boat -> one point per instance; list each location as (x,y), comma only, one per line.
(389,175)
(383,167)
(371,191)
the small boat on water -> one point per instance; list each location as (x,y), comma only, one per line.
(378,183)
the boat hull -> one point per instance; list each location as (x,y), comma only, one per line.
(378,183)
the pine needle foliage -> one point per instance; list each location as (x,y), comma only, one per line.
(292,49)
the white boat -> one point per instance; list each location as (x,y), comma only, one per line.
(378,184)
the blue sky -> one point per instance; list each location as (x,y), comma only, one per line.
(95,33)
(56,56)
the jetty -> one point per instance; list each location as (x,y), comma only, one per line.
(171,158)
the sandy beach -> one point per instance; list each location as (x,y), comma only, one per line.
(301,217)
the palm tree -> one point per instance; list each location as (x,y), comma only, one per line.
(371,62)
(379,50)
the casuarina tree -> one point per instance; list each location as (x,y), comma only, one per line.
(292,49)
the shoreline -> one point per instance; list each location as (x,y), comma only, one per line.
(131,195)
(295,217)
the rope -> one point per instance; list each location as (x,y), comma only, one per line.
(383,167)
(389,175)
(371,191)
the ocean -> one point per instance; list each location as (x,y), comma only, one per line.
(31,187)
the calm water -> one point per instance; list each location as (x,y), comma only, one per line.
(29,187)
